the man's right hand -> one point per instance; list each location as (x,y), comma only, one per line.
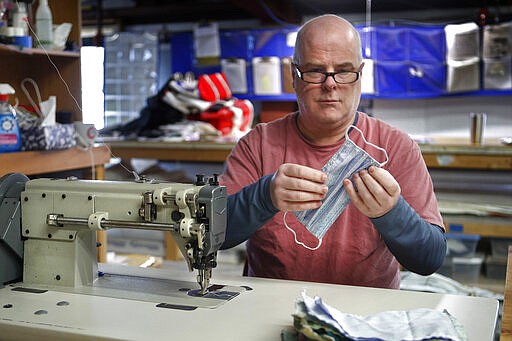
(297,188)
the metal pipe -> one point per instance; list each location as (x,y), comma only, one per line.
(137,225)
(56,220)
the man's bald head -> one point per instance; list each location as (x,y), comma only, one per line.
(327,24)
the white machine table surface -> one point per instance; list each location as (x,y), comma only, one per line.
(258,314)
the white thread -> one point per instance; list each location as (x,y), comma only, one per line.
(371,144)
(93,169)
(87,148)
(295,236)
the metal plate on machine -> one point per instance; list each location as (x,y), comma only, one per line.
(166,293)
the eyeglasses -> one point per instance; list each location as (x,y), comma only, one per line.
(318,77)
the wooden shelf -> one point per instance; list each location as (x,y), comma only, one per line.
(40,162)
(466,156)
(12,49)
(483,226)
(171,151)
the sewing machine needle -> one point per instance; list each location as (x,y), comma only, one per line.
(203,279)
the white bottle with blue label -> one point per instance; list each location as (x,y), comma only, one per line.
(10,140)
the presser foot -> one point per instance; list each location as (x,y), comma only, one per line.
(203,278)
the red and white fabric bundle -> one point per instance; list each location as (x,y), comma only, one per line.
(212,101)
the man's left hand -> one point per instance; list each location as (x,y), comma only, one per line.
(377,191)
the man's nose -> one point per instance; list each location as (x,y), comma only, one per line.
(330,82)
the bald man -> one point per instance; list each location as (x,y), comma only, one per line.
(329,194)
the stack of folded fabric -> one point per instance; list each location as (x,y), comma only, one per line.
(318,321)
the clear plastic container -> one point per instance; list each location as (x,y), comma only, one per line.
(461,245)
(499,246)
(267,75)
(496,267)
(467,269)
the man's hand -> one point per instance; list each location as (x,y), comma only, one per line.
(377,191)
(297,188)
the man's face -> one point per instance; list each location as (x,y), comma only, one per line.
(329,102)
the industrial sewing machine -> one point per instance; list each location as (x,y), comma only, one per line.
(48,226)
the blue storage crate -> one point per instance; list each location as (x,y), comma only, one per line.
(409,60)
(182,50)
(390,43)
(273,42)
(427,44)
(426,78)
(390,78)
(367,35)
(407,43)
(236,44)
(409,78)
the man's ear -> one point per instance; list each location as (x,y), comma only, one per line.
(294,76)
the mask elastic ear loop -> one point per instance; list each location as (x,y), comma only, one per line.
(295,236)
(371,144)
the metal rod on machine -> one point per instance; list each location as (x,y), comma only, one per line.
(57,220)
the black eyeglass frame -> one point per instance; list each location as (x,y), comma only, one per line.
(328,74)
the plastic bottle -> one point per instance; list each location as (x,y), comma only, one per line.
(20,17)
(3,22)
(44,24)
(10,140)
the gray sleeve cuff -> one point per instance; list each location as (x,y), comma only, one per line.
(418,245)
(248,210)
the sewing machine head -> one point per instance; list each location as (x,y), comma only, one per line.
(60,217)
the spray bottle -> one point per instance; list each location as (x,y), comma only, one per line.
(10,140)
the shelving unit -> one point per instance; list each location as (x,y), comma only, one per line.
(395,50)
(17,64)
(130,75)
(57,73)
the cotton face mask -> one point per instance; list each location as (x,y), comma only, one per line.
(347,161)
